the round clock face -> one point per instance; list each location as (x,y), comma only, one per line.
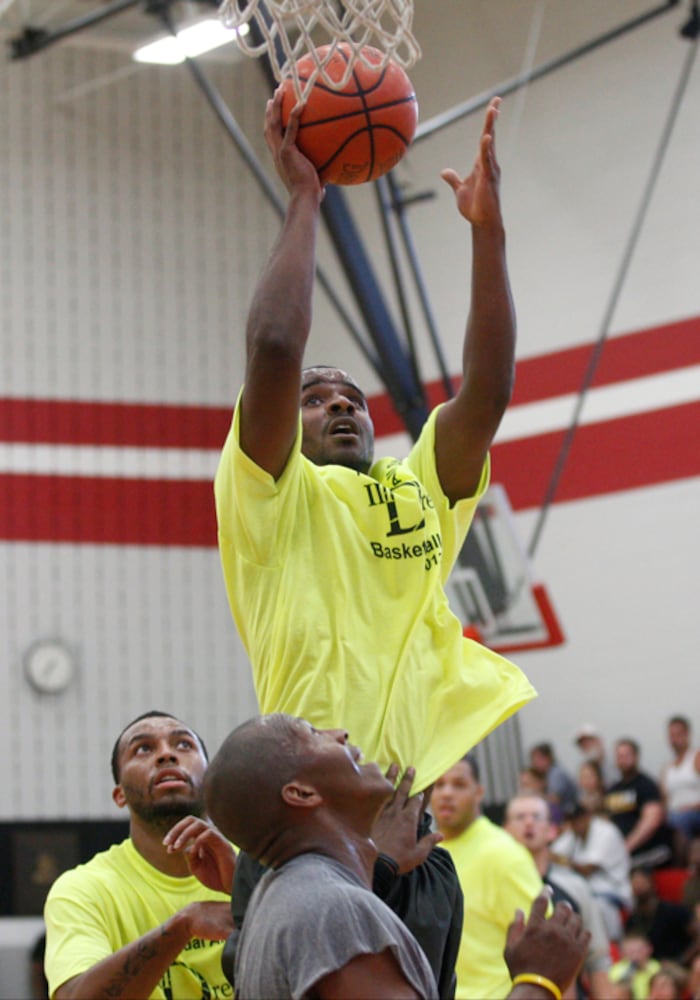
(49,666)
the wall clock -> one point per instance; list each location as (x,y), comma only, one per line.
(49,666)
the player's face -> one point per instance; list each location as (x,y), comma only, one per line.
(528,822)
(337,427)
(161,770)
(336,767)
(456,799)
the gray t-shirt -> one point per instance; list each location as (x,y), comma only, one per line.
(310,918)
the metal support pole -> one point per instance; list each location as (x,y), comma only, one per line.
(434,124)
(35,39)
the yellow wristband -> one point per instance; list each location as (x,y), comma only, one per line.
(537,980)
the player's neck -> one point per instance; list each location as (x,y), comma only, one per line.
(148,841)
(356,853)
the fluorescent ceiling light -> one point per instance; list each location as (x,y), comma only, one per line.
(193,41)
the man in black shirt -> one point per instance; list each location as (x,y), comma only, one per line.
(634,805)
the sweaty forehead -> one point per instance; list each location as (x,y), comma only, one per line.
(331,376)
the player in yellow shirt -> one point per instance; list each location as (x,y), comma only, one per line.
(148,917)
(497,874)
(335,565)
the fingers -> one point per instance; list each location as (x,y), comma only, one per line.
(491,115)
(184,831)
(429,841)
(403,789)
(292,127)
(452,178)
(516,929)
(563,914)
(392,773)
(541,904)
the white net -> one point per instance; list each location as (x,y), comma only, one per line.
(291,29)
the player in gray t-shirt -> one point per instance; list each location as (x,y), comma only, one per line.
(311,918)
(301,801)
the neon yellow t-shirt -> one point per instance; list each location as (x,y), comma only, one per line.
(336,584)
(115,898)
(498,876)
(639,980)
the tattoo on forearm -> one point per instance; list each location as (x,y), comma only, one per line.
(133,965)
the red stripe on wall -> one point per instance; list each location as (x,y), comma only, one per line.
(663,348)
(51,421)
(633,355)
(607,457)
(628,453)
(107,511)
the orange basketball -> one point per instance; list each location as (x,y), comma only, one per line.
(358,133)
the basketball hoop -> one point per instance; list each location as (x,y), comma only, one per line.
(287,26)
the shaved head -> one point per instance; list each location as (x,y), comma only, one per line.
(244,780)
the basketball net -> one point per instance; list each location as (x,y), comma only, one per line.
(286,27)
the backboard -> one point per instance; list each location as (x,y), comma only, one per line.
(491,588)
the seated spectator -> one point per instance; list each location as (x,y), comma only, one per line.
(667,926)
(594,847)
(530,782)
(669,983)
(637,965)
(634,805)
(591,747)
(528,820)
(591,787)
(680,786)
(560,786)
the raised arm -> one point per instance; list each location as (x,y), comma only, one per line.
(279,320)
(468,423)
(542,952)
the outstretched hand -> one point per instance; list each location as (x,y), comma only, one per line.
(295,169)
(395,829)
(477,194)
(554,947)
(209,855)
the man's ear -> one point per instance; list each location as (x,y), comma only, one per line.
(300,796)
(118,796)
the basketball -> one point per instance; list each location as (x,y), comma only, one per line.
(358,133)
